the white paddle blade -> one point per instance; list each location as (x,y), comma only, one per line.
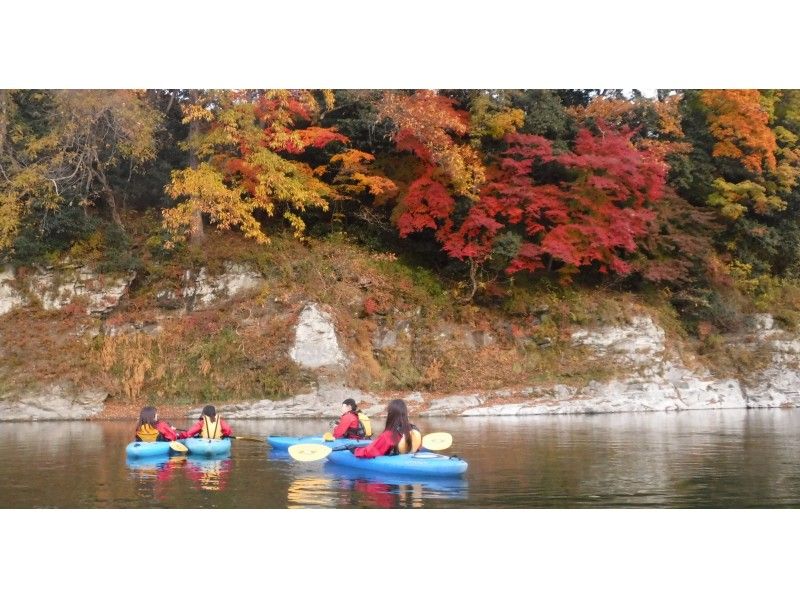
(309,452)
(178,447)
(437,441)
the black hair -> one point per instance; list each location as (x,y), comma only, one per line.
(397,420)
(209,411)
(147,416)
(352,404)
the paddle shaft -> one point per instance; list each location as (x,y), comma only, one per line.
(314,452)
(250,438)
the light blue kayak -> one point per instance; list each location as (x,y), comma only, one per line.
(138,450)
(418,464)
(284,442)
(205,447)
(456,487)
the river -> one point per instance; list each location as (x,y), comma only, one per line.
(708,459)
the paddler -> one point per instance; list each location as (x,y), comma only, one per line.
(151,429)
(398,437)
(210,425)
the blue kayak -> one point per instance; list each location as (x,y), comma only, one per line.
(204,447)
(284,442)
(418,464)
(138,450)
(455,487)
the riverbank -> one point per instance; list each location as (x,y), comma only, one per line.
(293,330)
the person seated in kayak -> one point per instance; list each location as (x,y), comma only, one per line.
(210,425)
(353,423)
(398,437)
(151,429)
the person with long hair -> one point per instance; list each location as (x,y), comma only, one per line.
(350,424)
(151,429)
(399,435)
(210,425)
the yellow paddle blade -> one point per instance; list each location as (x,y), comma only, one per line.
(327,437)
(309,452)
(177,447)
(437,441)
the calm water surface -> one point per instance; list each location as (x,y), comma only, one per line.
(733,458)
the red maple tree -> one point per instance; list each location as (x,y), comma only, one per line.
(591,215)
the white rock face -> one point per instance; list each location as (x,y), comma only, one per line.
(762,322)
(658,382)
(9,296)
(57,288)
(315,343)
(53,403)
(642,342)
(205,290)
(454,404)
(323,403)
(779,384)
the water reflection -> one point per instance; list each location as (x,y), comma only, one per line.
(152,474)
(278,455)
(346,487)
(409,490)
(732,458)
(311,492)
(209,474)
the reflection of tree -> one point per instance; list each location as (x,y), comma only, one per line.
(742,461)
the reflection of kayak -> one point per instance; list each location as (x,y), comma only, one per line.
(450,487)
(206,447)
(151,462)
(138,450)
(159,466)
(417,464)
(284,442)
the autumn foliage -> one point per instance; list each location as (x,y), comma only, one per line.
(739,123)
(592,215)
(599,182)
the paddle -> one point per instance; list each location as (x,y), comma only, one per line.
(435,441)
(250,438)
(177,447)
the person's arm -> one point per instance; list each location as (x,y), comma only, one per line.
(226,429)
(195,429)
(344,424)
(378,447)
(166,431)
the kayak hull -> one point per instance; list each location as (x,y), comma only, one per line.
(418,464)
(456,487)
(284,442)
(142,450)
(204,447)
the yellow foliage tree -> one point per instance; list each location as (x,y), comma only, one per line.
(252,163)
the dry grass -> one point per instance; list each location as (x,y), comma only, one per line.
(238,350)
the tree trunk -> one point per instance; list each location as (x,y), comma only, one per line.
(3,120)
(473,278)
(196,232)
(110,198)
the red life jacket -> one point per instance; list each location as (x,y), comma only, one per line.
(356,429)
